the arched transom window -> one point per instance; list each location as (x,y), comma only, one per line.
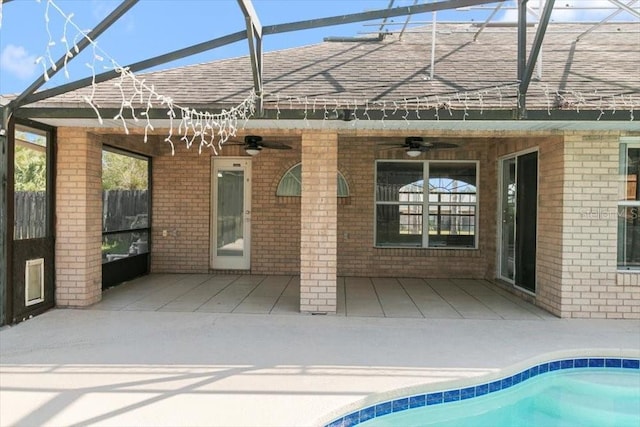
(291,183)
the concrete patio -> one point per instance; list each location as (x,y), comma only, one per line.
(357,297)
(198,350)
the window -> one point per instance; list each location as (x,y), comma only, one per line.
(30,184)
(629,208)
(439,215)
(125,205)
(291,183)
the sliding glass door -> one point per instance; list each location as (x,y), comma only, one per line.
(518,220)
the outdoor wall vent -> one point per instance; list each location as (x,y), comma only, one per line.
(34,282)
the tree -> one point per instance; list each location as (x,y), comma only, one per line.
(121,172)
(30,169)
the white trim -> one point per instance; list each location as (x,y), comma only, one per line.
(222,262)
(38,262)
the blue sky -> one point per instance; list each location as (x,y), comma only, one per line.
(154,27)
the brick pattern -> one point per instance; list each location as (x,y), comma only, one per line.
(275,221)
(318,246)
(181,201)
(357,255)
(78,218)
(549,226)
(591,286)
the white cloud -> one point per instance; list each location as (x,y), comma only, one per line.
(17,61)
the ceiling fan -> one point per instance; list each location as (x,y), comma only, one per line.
(253,144)
(416,145)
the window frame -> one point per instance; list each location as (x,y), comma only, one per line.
(426,204)
(623,202)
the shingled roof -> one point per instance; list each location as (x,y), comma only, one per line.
(599,71)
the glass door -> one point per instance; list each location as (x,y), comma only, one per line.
(508,221)
(231,214)
(518,220)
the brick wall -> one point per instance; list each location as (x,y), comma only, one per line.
(357,255)
(318,285)
(591,286)
(549,227)
(181,206)
(78,218)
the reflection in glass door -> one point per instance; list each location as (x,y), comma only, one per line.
(518,220)
(508,231)
(232,214)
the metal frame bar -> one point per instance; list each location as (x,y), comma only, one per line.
(241,35)
(626,7)
(138,66)
(489,19)
(372,15)
(5,115)
(254,36)
(525,73)
(613,15)
(406,22)
(86,41)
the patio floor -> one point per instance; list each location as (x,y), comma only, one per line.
(357,297)
(230,351)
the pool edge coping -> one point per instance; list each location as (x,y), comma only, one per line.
(498,373)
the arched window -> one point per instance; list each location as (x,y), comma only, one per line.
(291,183)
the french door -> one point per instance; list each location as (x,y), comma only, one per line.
(231,214)
(518,220)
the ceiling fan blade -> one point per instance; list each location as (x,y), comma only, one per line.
(275,145)
(438,145)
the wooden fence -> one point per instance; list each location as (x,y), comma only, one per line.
(121,210)
(30,215)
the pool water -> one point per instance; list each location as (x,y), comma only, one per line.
(581,392)
(582,398)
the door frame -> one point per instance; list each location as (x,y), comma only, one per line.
(221,262)
(15,308)
(501,160)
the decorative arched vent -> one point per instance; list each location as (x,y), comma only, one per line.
(290,184)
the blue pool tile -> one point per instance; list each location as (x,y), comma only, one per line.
(543,367)
(434,398)
(467,393)
(506,383)
(613,363)
(581,363)
(533,371)
(482,389)
(631,363)
(524,375)
(352,420)
(383,409)
(367,413)
(517,378)
(554,366)
(418,401)
(401,404)
(596,363)
(566,364)
(495,386)
(337,423)
(451,395)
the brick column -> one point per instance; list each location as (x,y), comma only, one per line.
(318,236)
(589,234)
(78,218)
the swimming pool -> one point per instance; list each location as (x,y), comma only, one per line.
(597,391)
